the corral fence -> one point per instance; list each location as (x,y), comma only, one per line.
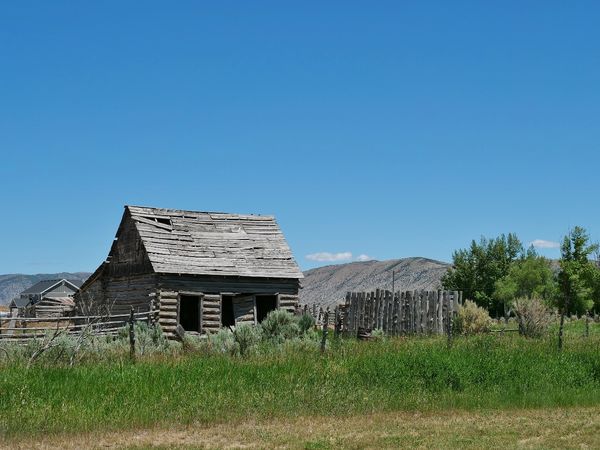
(25,328)
(400,313)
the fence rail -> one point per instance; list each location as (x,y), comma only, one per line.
(400,313)
(25,328)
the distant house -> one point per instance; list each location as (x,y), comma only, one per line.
(47,298)
(201,270)
(51,289)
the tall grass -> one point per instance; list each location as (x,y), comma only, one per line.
(489,371)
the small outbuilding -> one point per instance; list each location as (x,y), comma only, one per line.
(47,298)
(20,306)
(200,270)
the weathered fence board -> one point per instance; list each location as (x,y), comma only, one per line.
(32,328)
(398,313)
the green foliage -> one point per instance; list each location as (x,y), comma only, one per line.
(578,278)
(472,319)
(246,336)
(224,342)
(150,339)
(533,316)
(476,270)
(306,322)
(280,325)
(378,333)
(527,277)
(489,372)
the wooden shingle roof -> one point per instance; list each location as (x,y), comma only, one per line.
(209,243)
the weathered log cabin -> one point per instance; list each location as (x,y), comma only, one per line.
(201,270)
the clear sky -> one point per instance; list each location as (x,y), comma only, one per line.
(381,129)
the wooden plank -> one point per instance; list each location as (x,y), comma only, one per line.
(395,324)
(424,307)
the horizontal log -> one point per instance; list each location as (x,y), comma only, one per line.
(168,301)
(211,318)
(165,320)
(69,319)
(168,307)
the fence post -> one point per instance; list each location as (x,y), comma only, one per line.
(151,313)
(325,326)
(131,336)
(587,324)
(450,322)
(396,306)
(337,329)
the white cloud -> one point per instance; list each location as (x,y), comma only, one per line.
(363,257)
(541,243)
(329,257)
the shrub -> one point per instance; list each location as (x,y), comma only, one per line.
(472,319)
(533,316)
(280,325)
(306,323)
(149,339)
(246,336)
(378,333)
(223,342)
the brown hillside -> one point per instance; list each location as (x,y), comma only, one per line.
(328,285)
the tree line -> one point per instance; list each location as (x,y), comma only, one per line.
(496,272)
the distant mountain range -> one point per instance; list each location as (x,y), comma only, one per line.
(324,285)
(12,285)
(328,285)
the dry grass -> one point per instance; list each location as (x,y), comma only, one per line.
(526,429)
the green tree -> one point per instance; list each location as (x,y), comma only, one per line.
(528,277)
(477,268)
(578,276)
(596,283)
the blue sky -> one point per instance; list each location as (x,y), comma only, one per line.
(385,129)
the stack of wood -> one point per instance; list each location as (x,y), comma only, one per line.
(54,307)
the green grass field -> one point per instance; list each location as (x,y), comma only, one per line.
(478,373)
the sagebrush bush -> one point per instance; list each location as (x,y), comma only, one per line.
(246,336)
(306,322)
(533,316)
(378,333)
(223,342)
(280,325)
(472,319)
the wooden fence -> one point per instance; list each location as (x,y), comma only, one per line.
(408,312)
(25,328)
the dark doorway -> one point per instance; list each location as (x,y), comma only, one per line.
(264,305)
(227,317)
(189,312)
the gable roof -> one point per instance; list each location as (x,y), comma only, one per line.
(209,243)
(42,286)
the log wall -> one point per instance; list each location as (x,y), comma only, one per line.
(117,294)
(161,292)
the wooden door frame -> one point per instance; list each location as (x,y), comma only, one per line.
(200,296)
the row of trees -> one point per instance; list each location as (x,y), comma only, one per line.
(496,272)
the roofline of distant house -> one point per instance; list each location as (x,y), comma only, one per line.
(54,285)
